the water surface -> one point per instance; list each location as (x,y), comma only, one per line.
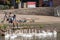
(34,38)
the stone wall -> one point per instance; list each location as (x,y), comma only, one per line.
(32,11)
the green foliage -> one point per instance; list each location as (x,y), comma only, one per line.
(2,7)
(41,25)
(17,1)
(8,2)
(3,26)
(6,7)
(34,25)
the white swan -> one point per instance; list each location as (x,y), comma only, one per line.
(42,34)
(7,36)
(55,33)
(19,33)
(27,35)
(13,36)
(50,34)
(39,35)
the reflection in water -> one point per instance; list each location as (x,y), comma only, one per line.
(35,38)
(31,35)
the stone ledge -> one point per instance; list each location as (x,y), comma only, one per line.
(32,11)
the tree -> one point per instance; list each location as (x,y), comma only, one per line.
(8,1)
(17,1)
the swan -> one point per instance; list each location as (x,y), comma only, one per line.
(7,36)
(37,34)
(13,36)
(23,35)
(50,34)
(41,34)
(20,34)
(44,34)
(55,33)
(27,35)
(17,32)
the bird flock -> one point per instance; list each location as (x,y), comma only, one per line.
(41,34)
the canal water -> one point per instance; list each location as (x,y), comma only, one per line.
(34,38)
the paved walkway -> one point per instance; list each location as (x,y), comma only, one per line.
(39,18)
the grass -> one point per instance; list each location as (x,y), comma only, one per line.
(3,26)
(26,25)
(34,25)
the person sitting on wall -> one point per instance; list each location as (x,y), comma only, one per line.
(10,19)
(14,17)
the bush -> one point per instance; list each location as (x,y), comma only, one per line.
(4,26)
(6,7)
(2,7)
(41,25)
